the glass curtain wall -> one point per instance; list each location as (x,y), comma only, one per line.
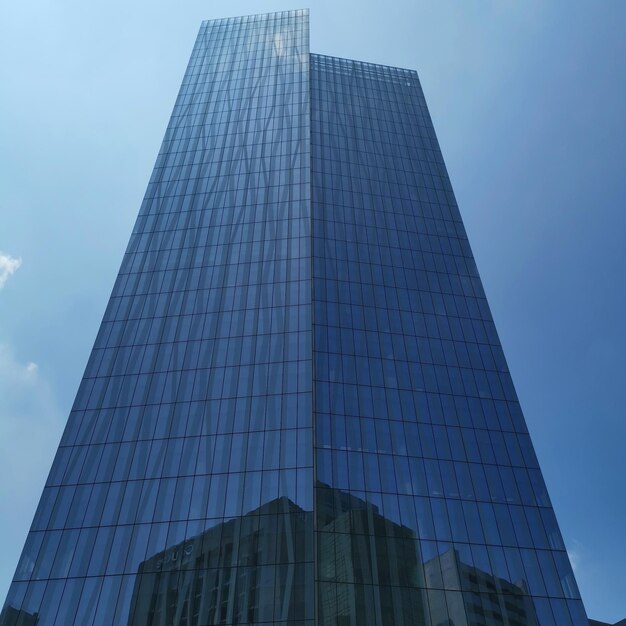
(182,490)
(297,410)
(430,505)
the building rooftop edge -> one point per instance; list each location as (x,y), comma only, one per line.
(368,63)
(304,11)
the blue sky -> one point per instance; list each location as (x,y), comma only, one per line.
(528,100)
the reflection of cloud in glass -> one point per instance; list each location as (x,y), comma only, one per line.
(279,44)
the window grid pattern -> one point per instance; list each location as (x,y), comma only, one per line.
(298,325)
(182,491)
(430,505)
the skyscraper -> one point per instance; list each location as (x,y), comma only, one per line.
(297,410)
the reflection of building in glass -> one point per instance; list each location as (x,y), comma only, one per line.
(298,330)
(372,563)
(242,571)
(10,615)
(486,600)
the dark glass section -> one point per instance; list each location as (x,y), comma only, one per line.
(445,518)
(251,569)
(181,489)
(369,569)
(14,616)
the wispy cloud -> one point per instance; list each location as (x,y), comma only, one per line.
(13,373)
(8,266)
(30,427)
(574,556)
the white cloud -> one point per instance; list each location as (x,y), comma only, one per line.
(8,266)
(13,373)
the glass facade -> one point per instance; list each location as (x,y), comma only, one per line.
(415,411)
(297,410)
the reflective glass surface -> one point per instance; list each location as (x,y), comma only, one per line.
(297,410)
(182,491)
(430,506)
